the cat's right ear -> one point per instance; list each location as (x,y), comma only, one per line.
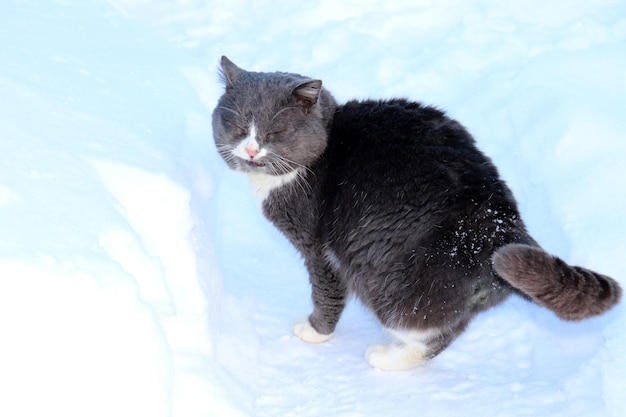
(307,93)
(229,72)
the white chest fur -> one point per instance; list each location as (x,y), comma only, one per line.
(263,184)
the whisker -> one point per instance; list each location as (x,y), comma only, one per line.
(301,170)
(236,113)
(290,162)
(282,110)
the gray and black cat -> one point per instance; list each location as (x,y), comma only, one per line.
(390,201)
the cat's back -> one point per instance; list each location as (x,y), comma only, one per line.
(397,122)
(406,148)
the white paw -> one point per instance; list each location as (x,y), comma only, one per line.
(395,357)
(303,329)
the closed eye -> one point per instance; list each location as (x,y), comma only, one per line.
(270,135)
(239,131)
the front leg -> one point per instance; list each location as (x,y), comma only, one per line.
(329,300)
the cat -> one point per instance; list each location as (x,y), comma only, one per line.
(390,201)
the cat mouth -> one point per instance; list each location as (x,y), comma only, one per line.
(255,164)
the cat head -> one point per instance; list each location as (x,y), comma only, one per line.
(270,123)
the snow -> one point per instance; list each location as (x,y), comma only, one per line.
(138,277)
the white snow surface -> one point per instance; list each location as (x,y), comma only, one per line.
(139,278)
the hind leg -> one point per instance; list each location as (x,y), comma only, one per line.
(409,349)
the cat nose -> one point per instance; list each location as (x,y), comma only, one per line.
(251,151)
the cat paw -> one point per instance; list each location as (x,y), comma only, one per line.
(395,357)
(303,329)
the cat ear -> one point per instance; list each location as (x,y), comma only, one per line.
(307,93)
(229,72)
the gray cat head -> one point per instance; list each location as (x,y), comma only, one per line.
(270,123)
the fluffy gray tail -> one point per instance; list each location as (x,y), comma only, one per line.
(572,292)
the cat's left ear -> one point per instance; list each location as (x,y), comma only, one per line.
(307,93)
